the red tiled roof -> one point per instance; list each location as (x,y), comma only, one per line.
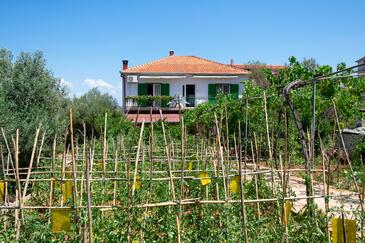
(173,118)
(249,67)
(185,64)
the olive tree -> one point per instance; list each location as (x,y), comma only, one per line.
(31,97)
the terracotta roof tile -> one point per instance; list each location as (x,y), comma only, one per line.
(185,64)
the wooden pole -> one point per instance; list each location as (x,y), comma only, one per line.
(325,193)
(267,127)
(104,143)
(361,198)
(182,171)
(83,164)
(242,192)
(18,187)
(74,167)
(88,191)
(246,138)
(31,162)
(5,186)
(170,176)
(115,173)
(220,153)
(256,183)
(52,182)
(40,149)
(8,149)
(136,161)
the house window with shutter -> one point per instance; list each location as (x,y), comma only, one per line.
(215,89)
(223,88)
(153,89)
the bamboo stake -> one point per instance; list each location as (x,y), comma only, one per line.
(88,191)
(257,154)
(182,171)
(115,173)
(40,149)
(193,201)
(267,127)
(104,142)
(326,202)
(53,161)
(136,161)
(242,192)
(8,149)
(361,196)
(83,165)
(18,187)
(170,176)
(135,177)
(246,138)
(346,153)
(63,163)
(227,137)
(31,162)
(5,186)
(283,203)
(220,153)
(74,168)
(256,184)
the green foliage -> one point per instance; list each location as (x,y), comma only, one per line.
(30,97)
(150,98)
(344,90)
(201,119)
(90,109)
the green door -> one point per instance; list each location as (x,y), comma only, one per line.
(212,93)
(234,90)
(142,91)
(165,91)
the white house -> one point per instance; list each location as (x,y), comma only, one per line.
(186,81)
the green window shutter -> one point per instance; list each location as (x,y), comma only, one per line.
(142,91)
(165,91)
(212,92)
(234,90)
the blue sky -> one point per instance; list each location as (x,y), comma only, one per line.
(84,42)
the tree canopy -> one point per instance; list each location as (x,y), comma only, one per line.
(90,109)
(30,97)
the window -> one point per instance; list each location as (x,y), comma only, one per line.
(223,88)
(154,89)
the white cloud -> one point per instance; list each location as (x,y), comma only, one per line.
(66,83)
(99,83)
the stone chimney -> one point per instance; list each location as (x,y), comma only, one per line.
(125,64)
(171,53)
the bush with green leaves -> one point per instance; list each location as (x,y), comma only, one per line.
(90,109)
(344,89)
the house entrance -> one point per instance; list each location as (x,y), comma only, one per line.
(154,90)
(190,95)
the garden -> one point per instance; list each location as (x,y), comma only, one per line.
(77,170)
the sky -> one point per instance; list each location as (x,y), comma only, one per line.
(84,42)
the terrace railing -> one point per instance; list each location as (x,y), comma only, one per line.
(167,101)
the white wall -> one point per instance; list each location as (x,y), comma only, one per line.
(201,85)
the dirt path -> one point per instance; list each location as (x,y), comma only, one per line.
(345,199)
